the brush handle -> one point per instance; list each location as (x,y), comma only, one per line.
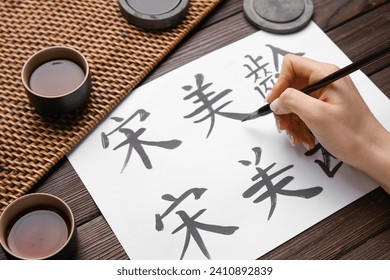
(265,110)
(345,71)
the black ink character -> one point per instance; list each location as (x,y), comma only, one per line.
(325,164)
(263,179)
(207,101)
(263,73)
(197,192)
(192,226)
(192,230)
(133,141)
(279,53)
(262,79)
(143,115)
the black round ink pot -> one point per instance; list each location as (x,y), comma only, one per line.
(154,14)
(279,16)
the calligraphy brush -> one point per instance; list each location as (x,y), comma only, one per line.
(265,110)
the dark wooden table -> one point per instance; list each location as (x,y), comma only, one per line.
(359,231)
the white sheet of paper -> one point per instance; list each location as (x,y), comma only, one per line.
(221,166)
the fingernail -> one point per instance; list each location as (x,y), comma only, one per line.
(307,147)
(277,123)
(291,138)
(274,106)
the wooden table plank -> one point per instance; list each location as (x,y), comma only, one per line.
(97,242)
(330,14)
(376,248)
(341,232)
(359,37)
(381,80)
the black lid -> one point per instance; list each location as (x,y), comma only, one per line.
(279,16)
(154,14)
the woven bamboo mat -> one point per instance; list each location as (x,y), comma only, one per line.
(120,56)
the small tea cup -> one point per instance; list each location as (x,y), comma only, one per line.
(57,80)
(38,226)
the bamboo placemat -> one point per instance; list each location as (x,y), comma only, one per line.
(120,56)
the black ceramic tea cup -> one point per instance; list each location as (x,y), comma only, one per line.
(57,80)
(36,227)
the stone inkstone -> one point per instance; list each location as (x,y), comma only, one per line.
(154,14)
(279,16)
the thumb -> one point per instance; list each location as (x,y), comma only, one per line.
(294,101)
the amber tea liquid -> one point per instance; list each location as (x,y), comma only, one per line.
(37,234)
(56,77)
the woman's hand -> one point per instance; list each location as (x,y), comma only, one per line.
(336,116)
